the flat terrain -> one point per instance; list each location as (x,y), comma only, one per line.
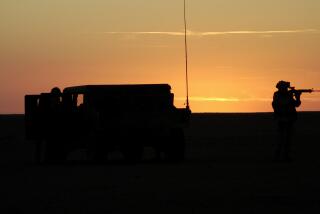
(228,169)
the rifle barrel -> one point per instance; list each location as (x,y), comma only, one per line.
(309,90)
(305,90)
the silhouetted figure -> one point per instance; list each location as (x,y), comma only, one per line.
(284,105)
(54,124)
(55,103)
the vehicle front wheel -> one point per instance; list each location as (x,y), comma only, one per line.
(175,150)
(133,154)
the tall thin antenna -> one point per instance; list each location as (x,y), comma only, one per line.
(186,52)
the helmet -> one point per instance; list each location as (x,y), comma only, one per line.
(282,84)
(56,91)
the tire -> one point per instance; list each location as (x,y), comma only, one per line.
(38,153)
(100,156)
(54,152)
(175,151)
(133,153)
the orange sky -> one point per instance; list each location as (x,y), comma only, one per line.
(238,49)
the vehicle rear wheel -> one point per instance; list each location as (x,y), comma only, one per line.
(54,152)
(97,153)
(38,153)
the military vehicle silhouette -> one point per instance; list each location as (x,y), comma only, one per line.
(100,119)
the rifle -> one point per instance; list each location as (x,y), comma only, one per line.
(300,91)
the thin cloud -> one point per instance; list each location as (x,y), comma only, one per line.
(148,33)
(212,33)
(259,32)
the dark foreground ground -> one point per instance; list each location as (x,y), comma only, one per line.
(229,169)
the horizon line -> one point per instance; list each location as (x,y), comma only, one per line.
(199,112)
(235,99)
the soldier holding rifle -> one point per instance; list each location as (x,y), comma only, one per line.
(285,101)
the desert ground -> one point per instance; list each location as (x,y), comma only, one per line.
(228,169)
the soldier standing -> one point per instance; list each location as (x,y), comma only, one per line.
(284,105)
(54,125)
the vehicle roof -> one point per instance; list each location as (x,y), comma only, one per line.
(128,88)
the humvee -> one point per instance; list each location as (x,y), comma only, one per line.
(100,119)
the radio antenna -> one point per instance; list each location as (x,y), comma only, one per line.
(186,52)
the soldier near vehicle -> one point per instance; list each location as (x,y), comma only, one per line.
(102,118)
(285,101)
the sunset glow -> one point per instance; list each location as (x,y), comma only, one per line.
(238,50)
